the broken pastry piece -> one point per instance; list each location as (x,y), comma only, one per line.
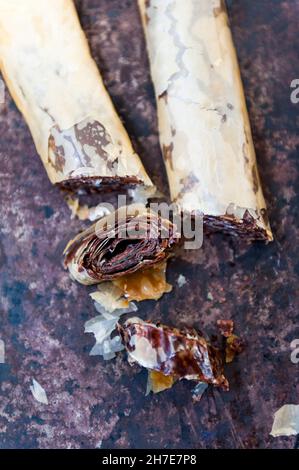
(149,284)
(158,382)
(109,298)
(110,303)
(128,240)
(171,354)
(46,63)
(204,128)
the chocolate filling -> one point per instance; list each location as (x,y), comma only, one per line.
(246,229)
(105,254)
(97,184)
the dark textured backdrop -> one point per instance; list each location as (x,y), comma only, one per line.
(43,312)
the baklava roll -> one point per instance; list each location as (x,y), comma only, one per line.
(204,127)
(46,63)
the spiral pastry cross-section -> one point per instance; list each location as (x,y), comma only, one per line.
(130,239)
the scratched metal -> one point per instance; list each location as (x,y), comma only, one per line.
(92,402)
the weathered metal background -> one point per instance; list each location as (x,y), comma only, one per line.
(43,312)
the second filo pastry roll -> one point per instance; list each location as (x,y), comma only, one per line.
(205,132)
(131,239)
(46,63)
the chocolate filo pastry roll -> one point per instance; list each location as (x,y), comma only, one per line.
(46,63)
(204,127)
(174,353)
(131,239)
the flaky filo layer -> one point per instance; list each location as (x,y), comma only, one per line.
(204,127)
(46,63)
(131,239)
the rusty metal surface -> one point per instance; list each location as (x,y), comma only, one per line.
(43,312)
